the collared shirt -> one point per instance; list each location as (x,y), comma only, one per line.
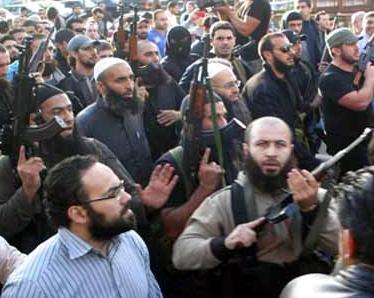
(86,85)
(364,38)
(67,266)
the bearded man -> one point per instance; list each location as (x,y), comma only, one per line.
(95,253)
(82,59)
(346,104)
(274,92)
(23,222)
(116,118)
(213,234)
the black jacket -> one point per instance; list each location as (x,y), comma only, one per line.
(355,281)
(175,66)
(267,95)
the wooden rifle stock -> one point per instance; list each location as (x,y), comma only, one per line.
(121,36)
(133,41)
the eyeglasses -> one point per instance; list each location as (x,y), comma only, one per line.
(285,48)
(113,193)
(232,84)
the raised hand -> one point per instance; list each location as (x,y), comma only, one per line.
(210,173)
(168,117)
(304,188)
(160,186)
(29,172)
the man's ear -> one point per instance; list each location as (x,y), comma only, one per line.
(335,51)
(77,214)
(100,87)
(245,148)
(268,56)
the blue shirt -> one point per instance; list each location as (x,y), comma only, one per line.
(12,70)
(67,266)
(159,39)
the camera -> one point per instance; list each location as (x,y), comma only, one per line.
(210,3)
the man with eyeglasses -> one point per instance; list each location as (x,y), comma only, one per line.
(95,253)
(346,103)
(22,221)
(225,84)
(274,92)
(307,80)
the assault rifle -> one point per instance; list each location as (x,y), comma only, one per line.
(287,207)
(37,57)
(133,40)
(18,132)
(121,37)
(200,93)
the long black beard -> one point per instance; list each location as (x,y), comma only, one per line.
(153,75)
(282,67)
(49,68)
(119,104)
(101,229)
(58,148)
(267,183)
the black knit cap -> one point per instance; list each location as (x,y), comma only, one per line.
(290,16)
(44,92)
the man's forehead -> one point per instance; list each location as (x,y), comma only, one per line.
(270,132)
(224,76)
(223,32)
(57,101)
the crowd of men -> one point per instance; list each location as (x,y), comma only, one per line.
(164,179)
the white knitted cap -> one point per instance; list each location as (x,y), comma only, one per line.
(105,64)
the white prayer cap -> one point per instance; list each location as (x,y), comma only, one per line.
(105,64)
(215,66)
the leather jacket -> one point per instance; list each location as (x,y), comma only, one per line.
(355,281)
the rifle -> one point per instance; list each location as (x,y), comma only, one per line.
(133,40)
(367,56)
(216,132)
(200,91)
(37,57)
(18,132)
(287,207)
(237,50)
(120,37)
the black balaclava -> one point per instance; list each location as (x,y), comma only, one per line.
(178,42)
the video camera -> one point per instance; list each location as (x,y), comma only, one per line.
(210,3)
